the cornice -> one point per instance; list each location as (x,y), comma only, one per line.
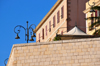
(88,9)
(48,14)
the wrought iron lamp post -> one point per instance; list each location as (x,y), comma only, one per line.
(26,34)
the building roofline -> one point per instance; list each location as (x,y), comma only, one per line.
(47,15)
(10,56)
(88,9)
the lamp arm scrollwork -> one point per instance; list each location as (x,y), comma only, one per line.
(19,29)
(31,30)
(31,26)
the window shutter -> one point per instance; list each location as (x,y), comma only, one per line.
(54,21)
(42,33)
(92,19)
(62,12)
(50,26)
(92,15)
(96,13)
(61,32)
(58,17)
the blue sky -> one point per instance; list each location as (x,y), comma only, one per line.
(17,12)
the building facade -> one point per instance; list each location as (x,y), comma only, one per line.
(93,14)
(60,19)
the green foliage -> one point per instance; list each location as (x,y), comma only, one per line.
(57,38)
(97,19)
(91,18)
(97,32)
(96,7)
(95,24)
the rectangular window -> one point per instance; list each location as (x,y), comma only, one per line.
(58,17)
(61,32)
(91,19)
(96,13)
(50,26)
(42,33)
(54,21)
(62,12)
(46,29)
(39,37)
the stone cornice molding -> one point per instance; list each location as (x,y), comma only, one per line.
(56,42)
(88,9)
(48,14)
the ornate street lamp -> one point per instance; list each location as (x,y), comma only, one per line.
(26,34)
(92,10)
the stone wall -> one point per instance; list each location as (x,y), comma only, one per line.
(78,52)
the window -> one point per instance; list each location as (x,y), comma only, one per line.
(96,13)
(61,32)
(42,33)
(54,21)
(39,37)
(58,17)
(46,29)
(91,19)
(91,22)
(50,26)
(62,12)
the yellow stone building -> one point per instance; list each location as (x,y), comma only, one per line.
(60,19)
(89,14)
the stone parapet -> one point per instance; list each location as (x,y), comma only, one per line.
(78,52)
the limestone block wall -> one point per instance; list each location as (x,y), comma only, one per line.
(78,52)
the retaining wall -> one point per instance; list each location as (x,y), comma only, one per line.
(78,52)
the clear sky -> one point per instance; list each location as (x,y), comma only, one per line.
(17,12)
